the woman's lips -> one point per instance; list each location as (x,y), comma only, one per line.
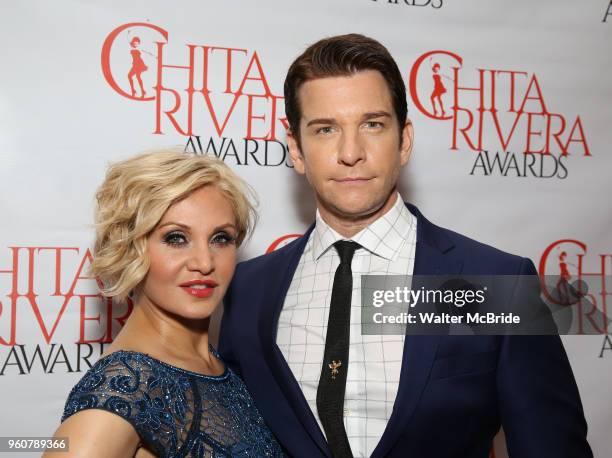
(200,289)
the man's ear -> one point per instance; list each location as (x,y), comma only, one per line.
(295,152)
(407,142)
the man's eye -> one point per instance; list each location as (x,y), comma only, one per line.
(374,124)
(223,238)
(325,130)
(175,238)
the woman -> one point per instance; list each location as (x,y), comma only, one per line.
(138,67)
(438,90)
(168,225)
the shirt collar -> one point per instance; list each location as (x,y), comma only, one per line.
(384,237)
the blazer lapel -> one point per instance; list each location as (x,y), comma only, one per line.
(268,324)
(433,256)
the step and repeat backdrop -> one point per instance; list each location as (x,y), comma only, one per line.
(511,106)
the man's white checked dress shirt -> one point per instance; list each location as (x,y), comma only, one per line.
(388,248)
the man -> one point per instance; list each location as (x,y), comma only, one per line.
(291,326)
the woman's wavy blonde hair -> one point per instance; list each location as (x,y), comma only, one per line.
(133,198)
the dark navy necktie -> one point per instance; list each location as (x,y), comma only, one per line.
(332,383)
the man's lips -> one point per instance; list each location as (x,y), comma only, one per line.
(199,288)
(350,180)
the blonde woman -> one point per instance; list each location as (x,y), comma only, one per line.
(168,226)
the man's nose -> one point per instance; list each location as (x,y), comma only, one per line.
(201,260)
(351,149)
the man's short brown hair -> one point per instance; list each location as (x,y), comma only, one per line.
(342,55)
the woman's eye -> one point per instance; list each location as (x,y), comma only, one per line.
(223,238)
(175,238)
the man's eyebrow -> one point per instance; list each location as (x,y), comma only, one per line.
(376,114)
(366,116)
(320,121)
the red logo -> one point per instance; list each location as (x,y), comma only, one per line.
(281,242)
(43,300)
(491,108)
(565,260)
(194,87)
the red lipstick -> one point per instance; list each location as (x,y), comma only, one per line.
(199,288)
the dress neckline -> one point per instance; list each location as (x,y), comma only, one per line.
(223,376)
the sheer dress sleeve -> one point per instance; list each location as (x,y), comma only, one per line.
(175,412)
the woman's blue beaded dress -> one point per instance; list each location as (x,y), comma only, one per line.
(177,413)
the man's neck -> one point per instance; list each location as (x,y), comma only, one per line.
(346,226)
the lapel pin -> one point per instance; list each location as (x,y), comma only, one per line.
(334,368)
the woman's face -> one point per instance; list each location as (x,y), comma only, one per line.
(193,255)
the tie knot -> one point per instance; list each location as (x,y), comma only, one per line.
(346,250)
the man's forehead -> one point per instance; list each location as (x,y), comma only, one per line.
(368,77)
(358,93)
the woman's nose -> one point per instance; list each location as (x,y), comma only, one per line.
(201,260)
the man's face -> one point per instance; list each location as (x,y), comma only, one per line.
(350,144)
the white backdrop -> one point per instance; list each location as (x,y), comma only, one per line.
(541,70)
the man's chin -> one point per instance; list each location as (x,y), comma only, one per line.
(355,211)
(356,206)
